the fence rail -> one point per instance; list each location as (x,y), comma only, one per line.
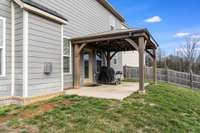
(164,74)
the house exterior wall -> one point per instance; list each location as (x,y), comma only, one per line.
(5,81)
(130,58)
(85,17)
(44,42)
(44,46)
(118,65)
(18,51)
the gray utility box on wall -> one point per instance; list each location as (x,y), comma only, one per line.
(48,68)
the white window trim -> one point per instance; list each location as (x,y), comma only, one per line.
(62,66)
(70,56)
(3,47)
(13,48)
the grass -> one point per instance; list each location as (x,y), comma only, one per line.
(165,108)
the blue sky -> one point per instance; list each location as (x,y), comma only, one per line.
(172,19)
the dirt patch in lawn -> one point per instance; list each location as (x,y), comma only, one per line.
(41,109)
(24,114)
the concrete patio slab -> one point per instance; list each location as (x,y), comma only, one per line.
(118,92)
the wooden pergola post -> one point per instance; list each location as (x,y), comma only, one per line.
(141,50)
(77,67)
(108,58)
(154,67)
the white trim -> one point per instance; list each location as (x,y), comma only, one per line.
(13,48)
(70,56)
(62,62)
(40,12)
(25,53)
(3,48)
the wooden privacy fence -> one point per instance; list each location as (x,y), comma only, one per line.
(164,74)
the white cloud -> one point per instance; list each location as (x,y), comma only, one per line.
(195,36)
(181,34)
(154,19)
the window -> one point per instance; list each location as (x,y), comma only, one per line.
(2,45)
(115,61)
(67,56)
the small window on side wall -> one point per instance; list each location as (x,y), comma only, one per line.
(67,56)
(2,45)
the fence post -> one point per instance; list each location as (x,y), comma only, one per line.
(191,79)
(166,74)
(125,73)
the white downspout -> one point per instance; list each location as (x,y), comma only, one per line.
(13,48)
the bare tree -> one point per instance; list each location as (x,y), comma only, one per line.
(190,50)
(160,58)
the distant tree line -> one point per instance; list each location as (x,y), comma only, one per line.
(187,59)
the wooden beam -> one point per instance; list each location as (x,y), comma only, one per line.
(113,55)
(130,41)
(110,37)
(108,59)
(90,40)
(77,67)
(152,55)
(154,67)
(81,47)
(91,65)
(141,50)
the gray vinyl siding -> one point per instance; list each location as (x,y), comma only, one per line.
(85,17)
(5,82)
(44,46)
(18,51)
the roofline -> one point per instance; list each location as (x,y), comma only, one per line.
(40,12)
(110,8)
(127,32)
(151,37)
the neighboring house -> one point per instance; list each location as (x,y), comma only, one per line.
(130,59)
(37,57)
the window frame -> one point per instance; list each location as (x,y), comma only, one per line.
(3,47)
(70,56)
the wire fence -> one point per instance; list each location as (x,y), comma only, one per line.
(165,74)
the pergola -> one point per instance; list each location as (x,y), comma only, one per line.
(115,41)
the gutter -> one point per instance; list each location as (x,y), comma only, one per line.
(40,12)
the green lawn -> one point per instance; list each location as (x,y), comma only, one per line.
(164,108)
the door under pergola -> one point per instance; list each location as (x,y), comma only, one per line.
(112,42)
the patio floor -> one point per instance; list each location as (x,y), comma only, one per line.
(118,92)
